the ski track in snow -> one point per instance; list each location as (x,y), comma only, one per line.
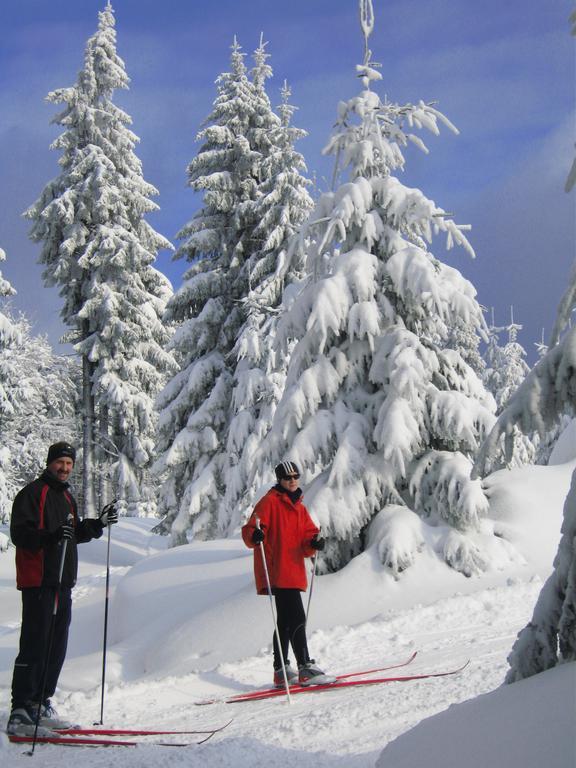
(335,729)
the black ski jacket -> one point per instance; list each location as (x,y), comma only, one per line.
(39,509)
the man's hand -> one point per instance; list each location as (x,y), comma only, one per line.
(65,532)
(109,515)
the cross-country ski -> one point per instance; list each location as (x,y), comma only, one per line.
(339,684)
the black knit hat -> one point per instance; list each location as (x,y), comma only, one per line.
(286,469)
(59,451)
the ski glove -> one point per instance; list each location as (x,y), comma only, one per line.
(65,532)
(318,543)
(258,536)
(109,515)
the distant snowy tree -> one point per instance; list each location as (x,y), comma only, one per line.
(493,359)
(9,336)
(254,197)
(99,250)
(505,370)
(44,408)
(514,368)
(381,414)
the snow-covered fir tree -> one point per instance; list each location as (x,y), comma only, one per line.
(254,197)
(506,370)
(514,367)
(99,250)
(9,336)
(547,394)
(44,390)
(547,443)
(381,414)
(194,405)
(283,205)
(493,359)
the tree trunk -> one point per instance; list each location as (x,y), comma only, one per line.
(88,419)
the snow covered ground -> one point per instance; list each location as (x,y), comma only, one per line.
(186,624)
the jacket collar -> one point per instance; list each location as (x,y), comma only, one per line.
(294,496)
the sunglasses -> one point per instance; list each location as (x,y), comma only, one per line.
(292,477)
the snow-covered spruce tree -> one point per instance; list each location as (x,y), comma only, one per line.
(548,391)
(547,394)
(46,406)
(254,198)
(259,377)
(9,387)
(9,336)
(380,413)
(493,359)
(505,371)
(100,251)
(514,367)
(194,405)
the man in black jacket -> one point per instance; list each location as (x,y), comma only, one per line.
(44,525)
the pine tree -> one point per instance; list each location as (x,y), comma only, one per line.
(506,370)
(44,407)
(380,413)
(9,335)
(254,197)
(547,394)
(514,367)
(194,404)
(99,250)
(258,380)
(9,387)
(493,359)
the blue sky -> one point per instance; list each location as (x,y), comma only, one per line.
(502,72)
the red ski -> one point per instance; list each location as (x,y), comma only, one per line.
(93,741)
(342,684)
(97,730)
(261,692)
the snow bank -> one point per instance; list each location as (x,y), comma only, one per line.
(526,725)
(189,609)
(565,447)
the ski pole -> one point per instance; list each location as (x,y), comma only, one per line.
(315,558)
(105,641)
(274,616)
(312,581)
(70,521)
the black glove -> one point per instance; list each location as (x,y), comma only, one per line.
(109,515)
(258,536)
(318,543)
(65,532)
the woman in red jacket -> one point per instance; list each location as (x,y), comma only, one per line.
(281,529)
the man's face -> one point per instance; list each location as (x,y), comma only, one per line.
(290,483)
(61,468)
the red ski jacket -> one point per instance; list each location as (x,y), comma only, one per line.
(288,530)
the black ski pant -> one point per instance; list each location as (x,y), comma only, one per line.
(291,620)
(37,619)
